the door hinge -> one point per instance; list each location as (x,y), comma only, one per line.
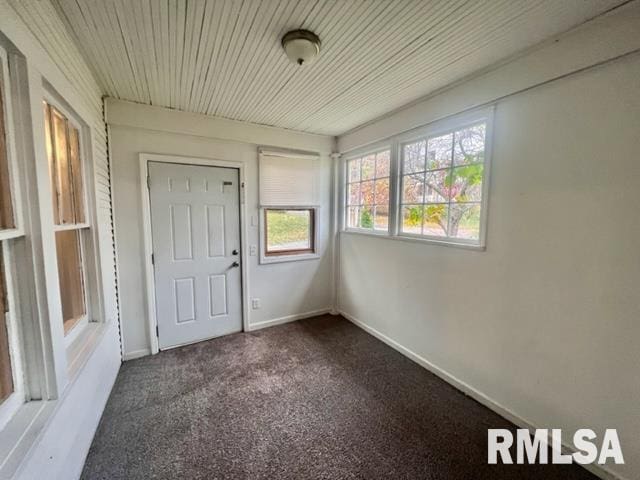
(157,332)
(149,182)
(153,259)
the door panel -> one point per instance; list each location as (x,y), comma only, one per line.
(195,225)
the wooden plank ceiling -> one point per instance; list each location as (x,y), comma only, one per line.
(223,57)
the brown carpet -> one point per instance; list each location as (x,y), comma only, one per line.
(316,399)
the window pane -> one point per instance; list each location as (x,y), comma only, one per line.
(382,164)
(469,145)
(413,188)
(71,277)
(366,217)
(382,191)
(367,192)
(413,155)
(6,208)
(368,167)
(61,180)
(52,162)
(412,219)
(466,183)
(76,174)
(6,376)
(439,151)
(465,221)
(435,219)
(354,170)
(354,194)
(289,230)
(382,218)
(353,217)
(437,186)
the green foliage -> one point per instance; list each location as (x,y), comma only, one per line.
(285,227)
(434,213)
(413,216)
(366,219)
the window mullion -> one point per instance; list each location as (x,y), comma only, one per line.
(394,188)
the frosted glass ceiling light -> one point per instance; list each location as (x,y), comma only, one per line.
(301,46)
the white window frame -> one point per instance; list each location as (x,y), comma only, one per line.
(79,332)
(14,179)
(10,406)
(377,148)
(396,142)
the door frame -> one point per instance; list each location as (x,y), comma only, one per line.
(149,279)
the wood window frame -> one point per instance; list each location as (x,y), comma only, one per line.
(294,251)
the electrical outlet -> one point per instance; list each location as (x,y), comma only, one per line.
(255,303)
(253,250)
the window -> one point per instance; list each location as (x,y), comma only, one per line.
(6,372)
(289,231)
(431,184)
(65,170)
(6,204)
(442,179)
(11,242)
(368,180)
(289,204)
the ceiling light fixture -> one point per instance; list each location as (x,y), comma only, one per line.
(301,46)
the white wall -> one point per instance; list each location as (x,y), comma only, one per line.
(545,323)
(285,289)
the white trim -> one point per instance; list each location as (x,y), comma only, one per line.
(149,279)
(280,152)
(287,319)
(136,354)
(467,389)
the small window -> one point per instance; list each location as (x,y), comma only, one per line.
(289,231)
(442,185)
(368,180)
(65,168)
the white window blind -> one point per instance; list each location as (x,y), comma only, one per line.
(288,179)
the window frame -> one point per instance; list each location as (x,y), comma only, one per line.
(294,251)
(433,129)
(87,230)
(295,255)
(373,150)
(12,157)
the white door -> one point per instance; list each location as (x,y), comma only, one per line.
(195,223)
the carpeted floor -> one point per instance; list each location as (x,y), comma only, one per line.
(314,399)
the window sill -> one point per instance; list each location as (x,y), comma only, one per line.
(425,241)
(21,433)
(264,260)
(79,351)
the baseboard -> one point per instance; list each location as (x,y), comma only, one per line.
(136,354)
(477,395)
(287,319)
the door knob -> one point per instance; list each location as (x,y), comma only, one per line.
(235,252)
(235,264)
